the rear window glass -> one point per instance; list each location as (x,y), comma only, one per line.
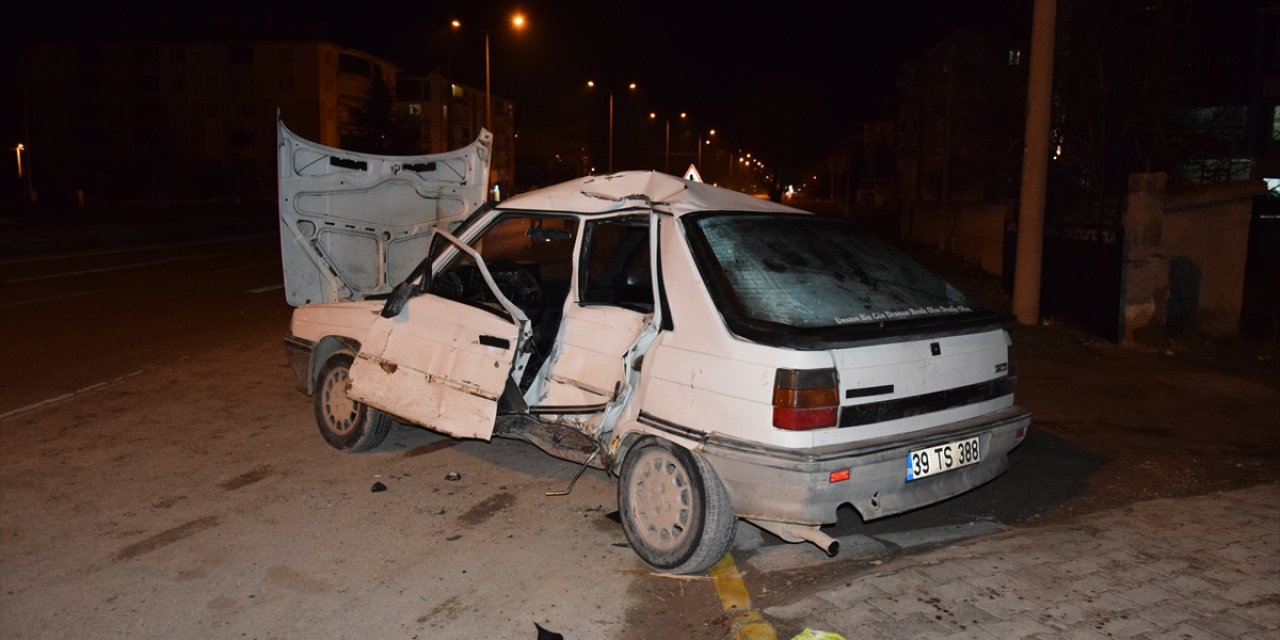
(811,273)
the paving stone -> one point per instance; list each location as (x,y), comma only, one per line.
(1205,604)
(1146,595)
(1227,625)
(1074,633)
(924,627)
(1015,628)
(1250,590)
(853,594)
(1061,616)
(1092,585)
(1165,615)
(900,607)
(1124,625)
(1266,614)
(1079,567)
(1189,585)
(1181,632)
(855,622)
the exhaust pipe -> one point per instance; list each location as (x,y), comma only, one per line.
(800,533)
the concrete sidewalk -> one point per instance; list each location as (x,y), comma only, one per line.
(1198,567)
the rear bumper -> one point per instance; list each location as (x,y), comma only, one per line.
(793,485)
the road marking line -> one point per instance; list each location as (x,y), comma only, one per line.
(746,623)
(48,299)
(122,267)
(136,249)
(66,396)
(265,289)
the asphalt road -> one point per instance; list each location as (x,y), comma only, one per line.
(161,477)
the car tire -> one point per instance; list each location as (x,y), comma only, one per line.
(674,510)
(346,424)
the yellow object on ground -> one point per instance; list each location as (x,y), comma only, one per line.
(814,634)
(747,623)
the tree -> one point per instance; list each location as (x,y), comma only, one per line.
(375,127)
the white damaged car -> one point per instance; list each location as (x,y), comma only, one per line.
(724,356)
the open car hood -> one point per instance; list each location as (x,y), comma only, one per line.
(355,224)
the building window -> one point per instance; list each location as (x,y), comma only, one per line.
(1015,57)
(415,109)
(246,110)
(354,64)
(178,84)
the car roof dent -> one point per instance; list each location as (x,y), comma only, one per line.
(639,189)
(355,224)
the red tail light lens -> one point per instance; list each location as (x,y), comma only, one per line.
(805,399)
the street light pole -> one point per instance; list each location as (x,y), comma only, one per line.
(611,132)
(488,97)
(517,22)
(630,87)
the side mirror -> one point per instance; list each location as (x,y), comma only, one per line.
(395,302)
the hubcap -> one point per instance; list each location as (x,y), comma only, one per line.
(339,409)
(660,497)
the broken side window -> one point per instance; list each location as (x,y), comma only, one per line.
(615,269)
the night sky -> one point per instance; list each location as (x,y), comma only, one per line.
(784,79)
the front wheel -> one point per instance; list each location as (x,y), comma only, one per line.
(674,510)
(345,423)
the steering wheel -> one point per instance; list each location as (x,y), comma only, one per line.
(520,286)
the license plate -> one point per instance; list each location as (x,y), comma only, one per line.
(941,458)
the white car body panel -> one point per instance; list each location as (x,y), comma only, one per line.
(589,366)
(441,363)
(355,224)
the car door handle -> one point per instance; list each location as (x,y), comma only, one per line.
(495,341)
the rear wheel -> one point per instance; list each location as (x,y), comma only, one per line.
(674,510)
(345,423)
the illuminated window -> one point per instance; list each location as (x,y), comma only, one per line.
(415,109)
(1015,57)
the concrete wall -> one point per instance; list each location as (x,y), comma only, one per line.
(1206,236)
(1184,260)
(1145,268)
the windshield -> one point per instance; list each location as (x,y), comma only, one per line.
(795,272)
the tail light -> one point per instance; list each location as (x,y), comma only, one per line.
(805,399)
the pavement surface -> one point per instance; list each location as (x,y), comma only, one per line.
(1198,567)
(1188,566)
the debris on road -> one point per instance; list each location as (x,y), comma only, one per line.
(453,476)
(378,486)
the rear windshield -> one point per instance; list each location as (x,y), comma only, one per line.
(817,275)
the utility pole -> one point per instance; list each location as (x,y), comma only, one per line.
(1035,166)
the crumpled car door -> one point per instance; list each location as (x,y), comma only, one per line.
(443,363)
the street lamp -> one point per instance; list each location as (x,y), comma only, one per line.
(710,134)
(666,157)
(517,22)
(591,84)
